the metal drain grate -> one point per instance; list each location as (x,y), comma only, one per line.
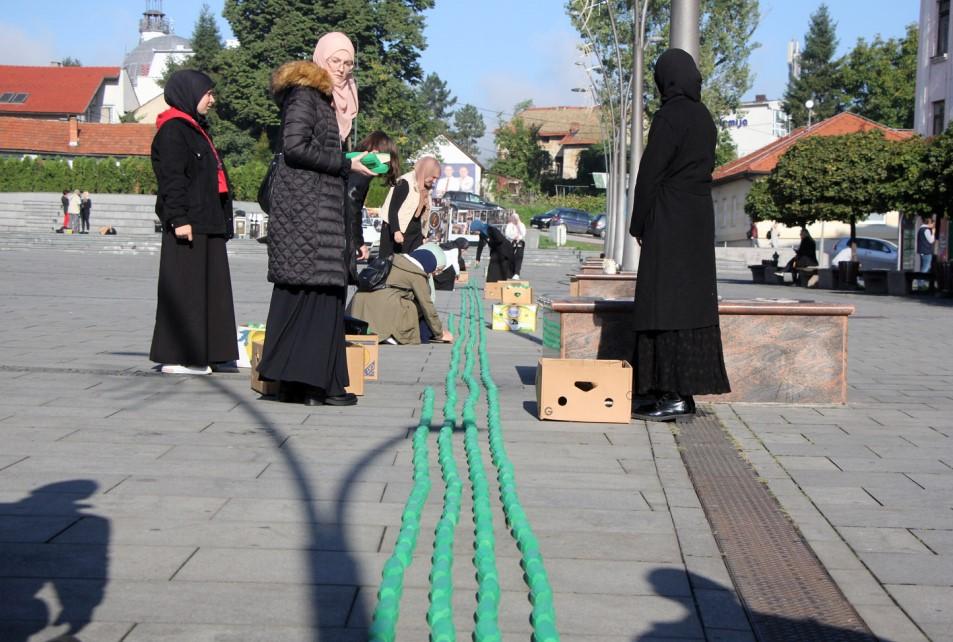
(787,592)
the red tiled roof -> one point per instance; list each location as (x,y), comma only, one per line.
(763,161)
(36,136)
(52,90)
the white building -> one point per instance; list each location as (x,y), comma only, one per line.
(157,46)
(756,124)
(934,100)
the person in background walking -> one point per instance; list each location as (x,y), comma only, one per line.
(407,209)
(84,208)
(64,204)
(678,352)
(515,233)
(307,229)
(195,314)
(925,239)
(357,186)
(753,234)
(74,208)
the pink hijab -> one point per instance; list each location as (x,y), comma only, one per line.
(345,93)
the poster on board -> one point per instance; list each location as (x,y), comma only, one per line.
(455,177)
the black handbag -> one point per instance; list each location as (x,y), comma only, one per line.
(374,276)
(268,183)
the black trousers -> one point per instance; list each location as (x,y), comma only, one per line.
(195,315)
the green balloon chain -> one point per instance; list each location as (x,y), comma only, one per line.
(384,623)
(543,617)
(486,617)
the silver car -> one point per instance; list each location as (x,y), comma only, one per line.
(873,254)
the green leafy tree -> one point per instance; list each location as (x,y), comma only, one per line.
(437,97)
(468,127)
(938,174)
(759,204)
(725,150)
(832,178)
(908,188)
(879,79)
(820,78)
(69,61)
(206,44)
(519,154)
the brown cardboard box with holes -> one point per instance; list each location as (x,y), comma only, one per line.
(258,385)
(371,343)
(355,368)
(586,390)
(516,294)
(493,291)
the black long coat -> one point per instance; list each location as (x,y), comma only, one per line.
(501,255)
(187,175)
(307,236)
(673,213)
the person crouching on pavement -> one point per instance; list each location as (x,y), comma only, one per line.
(395,312)
(502,261)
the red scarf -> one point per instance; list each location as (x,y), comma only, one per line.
(171,113)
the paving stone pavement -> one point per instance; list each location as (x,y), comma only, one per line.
(172,508)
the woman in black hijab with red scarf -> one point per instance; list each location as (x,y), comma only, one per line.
(195,316)
(678,350)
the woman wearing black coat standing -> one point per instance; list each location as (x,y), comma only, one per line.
(678,350)
(501,251)
(307,232)
(195,316)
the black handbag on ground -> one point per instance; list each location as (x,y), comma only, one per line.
(374,276)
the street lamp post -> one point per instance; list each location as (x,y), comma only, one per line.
(684,31)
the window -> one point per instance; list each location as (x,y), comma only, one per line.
(943,27)
(13,98)
(939,117)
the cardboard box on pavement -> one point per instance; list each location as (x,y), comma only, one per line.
(257,384)
(585,390)
(355,368)
(371,344)
(494,291)
(516,294)
(247,335)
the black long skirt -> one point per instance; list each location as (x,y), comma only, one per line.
(195,315)
(688,362)
(304,338)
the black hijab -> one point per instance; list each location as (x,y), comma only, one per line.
(185,89)
(676,74)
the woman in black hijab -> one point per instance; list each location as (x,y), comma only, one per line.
(195,316)
(678,350)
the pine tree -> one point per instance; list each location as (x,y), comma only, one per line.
(820,78)
(468,127)
(206,42)
(437,97)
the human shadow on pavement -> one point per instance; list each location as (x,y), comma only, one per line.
(326,531)
(527,375)
(29,562)
(726,614)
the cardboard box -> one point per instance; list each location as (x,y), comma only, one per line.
(258,385)
(494,291)
(515,318)
(371,344)
(517,294)
(587,390)
(247,335)
(355,368)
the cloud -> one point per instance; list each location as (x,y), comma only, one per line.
(22,49)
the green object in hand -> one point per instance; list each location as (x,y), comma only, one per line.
(374,161)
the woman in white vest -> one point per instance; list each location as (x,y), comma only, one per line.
(407,208)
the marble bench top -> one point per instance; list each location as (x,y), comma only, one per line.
(781,307)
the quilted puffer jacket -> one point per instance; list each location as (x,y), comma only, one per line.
(306,228)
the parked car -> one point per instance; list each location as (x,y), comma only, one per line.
(468,201)
(576,221)
(873,254)
(542,220)
(598,225)
(371,228)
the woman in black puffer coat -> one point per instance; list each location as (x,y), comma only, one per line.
(307,235)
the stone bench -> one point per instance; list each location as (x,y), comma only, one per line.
(875,281)
(606,286)
(792,352)
(901,282)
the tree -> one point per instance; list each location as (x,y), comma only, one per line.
(832,178)
(725,150)
(879,79)
(206,42)
(468,127)
(908,187)
(436,96)
(819,78)
(759,204)
(938,174)
(387,36)
(519,154)
(69,61)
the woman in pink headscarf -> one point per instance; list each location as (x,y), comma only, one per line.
(307,234)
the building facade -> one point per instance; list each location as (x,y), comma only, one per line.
(565,132)
(934,100)
(756,124)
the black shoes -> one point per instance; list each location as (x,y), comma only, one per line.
(289,392)
(668,407)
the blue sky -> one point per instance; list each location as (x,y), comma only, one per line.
(492,53)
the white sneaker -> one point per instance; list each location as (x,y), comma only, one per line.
(390,341)
(516,277)
(189,370)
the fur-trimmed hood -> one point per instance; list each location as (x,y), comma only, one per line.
(300,73)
